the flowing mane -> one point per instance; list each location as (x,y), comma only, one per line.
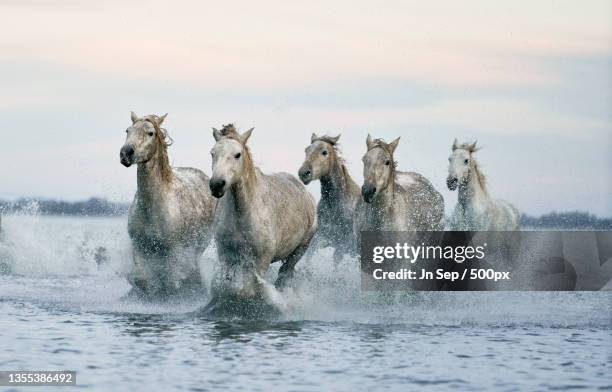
(229,131)
(482,180)
(163,142)
(469,147)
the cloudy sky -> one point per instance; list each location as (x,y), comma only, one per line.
(531,80)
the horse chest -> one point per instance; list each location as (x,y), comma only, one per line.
(232,242)
(238,234)
(146,239)
(467,217)
(373,219)
(152,229)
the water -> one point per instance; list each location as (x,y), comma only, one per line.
(61,308)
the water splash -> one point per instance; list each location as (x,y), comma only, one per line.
(80,264)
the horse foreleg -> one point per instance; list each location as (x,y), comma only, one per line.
(138,276)
(286,271)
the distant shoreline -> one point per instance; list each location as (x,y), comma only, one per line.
(92,207)
(96,206)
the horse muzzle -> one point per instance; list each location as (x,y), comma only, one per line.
(368,192)
(217,187)
(126,155)
(305,175)
(451,183)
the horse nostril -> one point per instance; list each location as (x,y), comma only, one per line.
(305,175)
(127,155)
(216,186)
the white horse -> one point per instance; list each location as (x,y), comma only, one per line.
(393,200)
(170,219)
(339,194)
(476,210)
(259,219)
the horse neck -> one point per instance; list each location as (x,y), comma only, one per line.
(337,184)
(474,192)
(153,177)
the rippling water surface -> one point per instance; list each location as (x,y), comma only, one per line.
(61,308)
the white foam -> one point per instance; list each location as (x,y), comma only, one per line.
(54,261)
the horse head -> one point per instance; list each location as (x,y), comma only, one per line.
(231,159)
(320,158)
(460,164)
(144,139)
(378,167)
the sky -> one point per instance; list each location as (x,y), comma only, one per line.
(530,80)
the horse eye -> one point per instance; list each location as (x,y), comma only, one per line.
(387,162)
(466,161)
(324,153)
(237,156)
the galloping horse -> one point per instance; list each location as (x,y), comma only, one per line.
(170,219)
(476,210)
(259,219)
(339,194)
(394,200)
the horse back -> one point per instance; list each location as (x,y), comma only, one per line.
(191,176)
(286,189)
(424,202)
(505,215)
(292,207)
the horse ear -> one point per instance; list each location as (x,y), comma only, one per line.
(246,135)
(134,117)
(369,141)
(455,145)
(161,119)
(216,134)
(313,137)
(394,144)
(472,147)
(334,140)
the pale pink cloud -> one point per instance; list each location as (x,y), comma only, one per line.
(273,44)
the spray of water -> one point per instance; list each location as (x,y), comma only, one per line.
(81,263)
